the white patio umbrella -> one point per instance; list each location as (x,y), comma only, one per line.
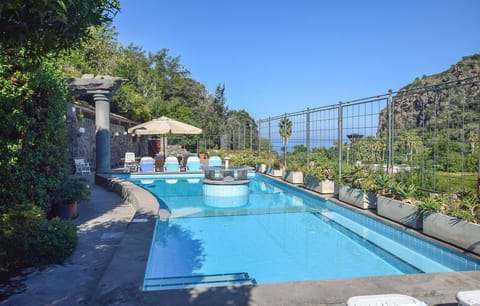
(163,126)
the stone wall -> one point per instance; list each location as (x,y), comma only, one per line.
(82,118)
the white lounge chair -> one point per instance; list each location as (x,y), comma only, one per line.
(384,300)
(468,298)
(130,164)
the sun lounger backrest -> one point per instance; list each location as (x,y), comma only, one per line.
(147,164)
(193,163)
(171,164)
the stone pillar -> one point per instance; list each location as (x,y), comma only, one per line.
(101,88)
(102,129)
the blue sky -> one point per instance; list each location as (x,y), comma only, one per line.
(287,55)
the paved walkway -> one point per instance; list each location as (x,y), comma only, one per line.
(102,222)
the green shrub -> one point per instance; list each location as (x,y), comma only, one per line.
(33,240)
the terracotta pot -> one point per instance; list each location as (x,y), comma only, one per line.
(67,211)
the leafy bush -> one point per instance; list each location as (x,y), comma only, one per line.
(32,150)
(363,178)
(463,206)
(33,240)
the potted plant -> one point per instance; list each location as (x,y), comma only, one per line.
(320,177)
(396,200)
(67,197)
(276,170)
(202,153)
(358,187)
(453,218)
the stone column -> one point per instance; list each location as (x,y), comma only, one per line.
(101,88)
(102,129)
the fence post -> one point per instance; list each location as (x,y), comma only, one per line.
(390,132)
(259,122)
(308,136)
(478,164)
(340,134)
(269,135)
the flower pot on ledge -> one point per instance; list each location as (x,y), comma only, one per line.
(323,186)
(276,172)
(357,197)
(463,234)
(294,177)
(400,212)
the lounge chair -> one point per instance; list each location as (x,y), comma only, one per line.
(81,166)
(193,164)
(384,300)
(215,161)
(130,163)
(171,164)
(147,164)
(468,298)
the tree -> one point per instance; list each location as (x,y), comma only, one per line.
(41,27)
(285,126)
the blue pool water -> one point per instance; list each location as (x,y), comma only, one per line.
(281,234)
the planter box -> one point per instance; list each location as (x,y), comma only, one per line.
(294,177)
(262,168)
(320,186)
(460,233)
(276,172)
(358,198)
(404,213)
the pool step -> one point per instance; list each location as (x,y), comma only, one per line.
(399,250)
(212,280)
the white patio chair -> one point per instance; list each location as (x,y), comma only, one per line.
(81,166)
(130,163)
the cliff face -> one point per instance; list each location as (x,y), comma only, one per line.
(438,100)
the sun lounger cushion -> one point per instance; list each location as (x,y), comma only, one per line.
(468,298)
(384,300)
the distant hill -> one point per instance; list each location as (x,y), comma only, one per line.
(447,99)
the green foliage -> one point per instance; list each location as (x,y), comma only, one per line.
(32,133)
(73,189)
(33,240)
(242,157)
(41,27)
(463,206)
(363,178)
(321,168)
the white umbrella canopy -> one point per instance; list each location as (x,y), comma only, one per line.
(162,126)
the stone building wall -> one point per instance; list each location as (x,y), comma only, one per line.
(80,122)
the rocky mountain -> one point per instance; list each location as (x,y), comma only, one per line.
(447,99)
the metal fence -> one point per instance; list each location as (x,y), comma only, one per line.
(428,129)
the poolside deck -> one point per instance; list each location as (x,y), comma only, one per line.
(109,266)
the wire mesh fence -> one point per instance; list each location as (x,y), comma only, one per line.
(430,131)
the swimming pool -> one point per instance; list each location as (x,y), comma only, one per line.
(281,234)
